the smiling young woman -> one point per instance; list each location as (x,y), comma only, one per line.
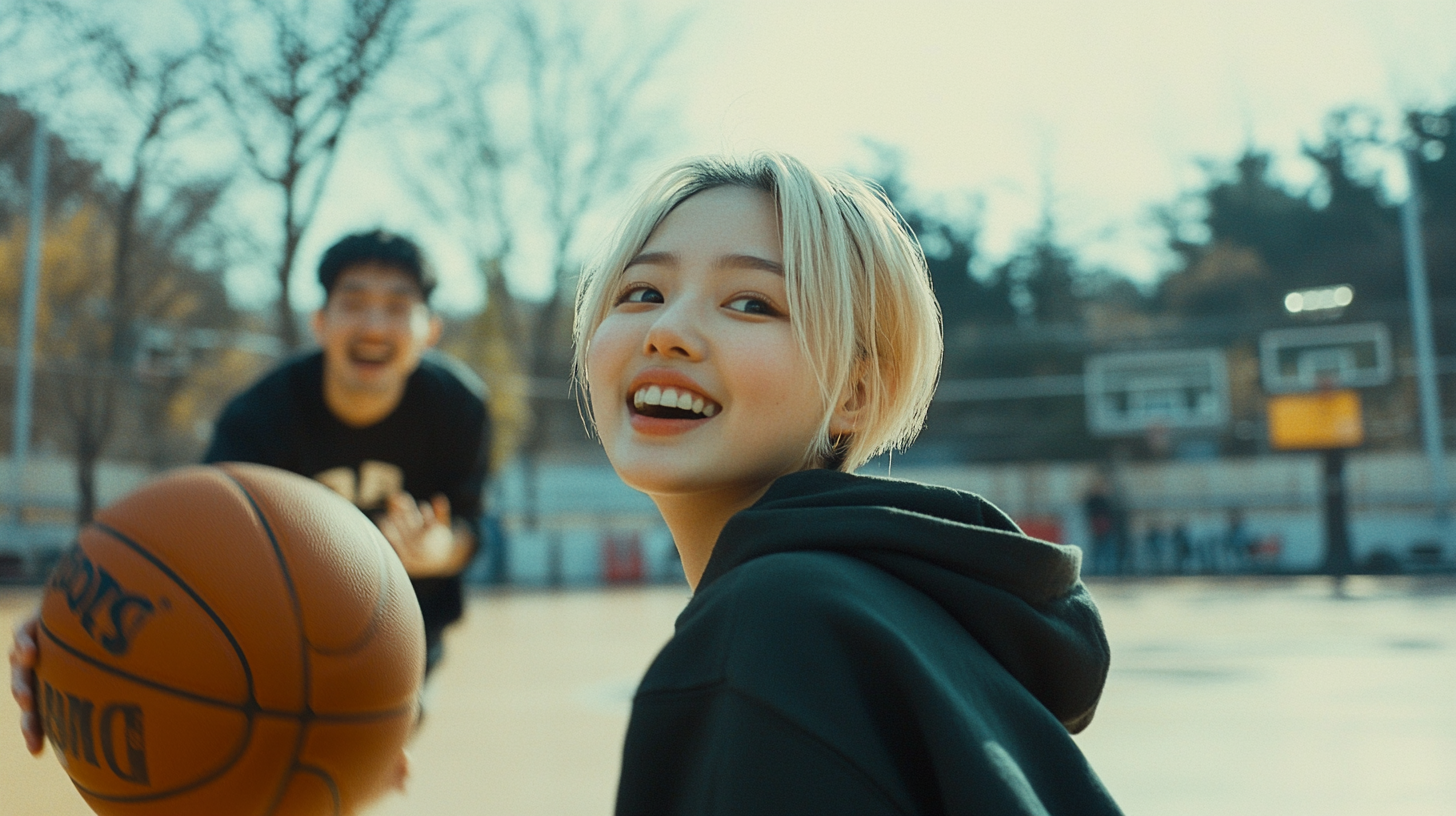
(755,332)
(702,313)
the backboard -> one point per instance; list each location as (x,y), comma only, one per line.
(1354,355)
(1131,392)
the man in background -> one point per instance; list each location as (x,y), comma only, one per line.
(399,430)
(402,434)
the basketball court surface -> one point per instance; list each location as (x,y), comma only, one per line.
(1248,696)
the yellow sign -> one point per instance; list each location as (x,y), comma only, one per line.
(1317,421)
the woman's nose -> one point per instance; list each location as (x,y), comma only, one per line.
(674,333)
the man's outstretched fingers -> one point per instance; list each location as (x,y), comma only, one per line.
(405,512)
(22,681)
(30,729)
(441,505)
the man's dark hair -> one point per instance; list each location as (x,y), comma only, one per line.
(381,247)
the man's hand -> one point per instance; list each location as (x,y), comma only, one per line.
(421,533)
(22,680)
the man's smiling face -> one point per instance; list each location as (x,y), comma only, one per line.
(373,330)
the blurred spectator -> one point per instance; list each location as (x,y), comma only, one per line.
(1155,548)
(1107,525)
(1185,556)
(1237,542)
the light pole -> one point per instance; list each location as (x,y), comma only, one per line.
(1422,334)
(29,295)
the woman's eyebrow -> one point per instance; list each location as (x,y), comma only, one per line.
(732,261)
(653,258)
(750,262)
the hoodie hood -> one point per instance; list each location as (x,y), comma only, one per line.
(1021,598)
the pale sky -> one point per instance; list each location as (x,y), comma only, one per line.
(1108,105)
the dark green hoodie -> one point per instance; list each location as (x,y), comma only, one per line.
(864,645)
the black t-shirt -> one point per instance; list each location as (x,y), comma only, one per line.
(437,441)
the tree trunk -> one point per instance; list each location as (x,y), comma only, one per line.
(542,365)
(121,294)
(92,409)
(87,452)
(287,326)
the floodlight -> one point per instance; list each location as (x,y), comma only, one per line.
(1322,299)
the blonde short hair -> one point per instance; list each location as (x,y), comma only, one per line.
(859,294)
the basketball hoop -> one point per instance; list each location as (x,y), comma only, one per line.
(1353,355)
(1132,393)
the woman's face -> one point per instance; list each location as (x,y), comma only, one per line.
(697,383)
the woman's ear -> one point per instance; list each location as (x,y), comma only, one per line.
(849,411)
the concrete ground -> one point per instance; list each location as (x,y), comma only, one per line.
(1230,696)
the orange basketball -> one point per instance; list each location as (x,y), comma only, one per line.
(229,640)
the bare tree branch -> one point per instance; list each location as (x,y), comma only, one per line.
(155,95)
(537,137)
(291,109)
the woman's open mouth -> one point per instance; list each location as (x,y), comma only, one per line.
(670,402)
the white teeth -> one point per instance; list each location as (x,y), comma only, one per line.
(673,398)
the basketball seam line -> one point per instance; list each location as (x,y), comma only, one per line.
(301,739)
(246,709)
(381,597)
(223,768)
(177,579)
(328,780)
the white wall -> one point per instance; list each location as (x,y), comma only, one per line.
(1279,496)
(584,504)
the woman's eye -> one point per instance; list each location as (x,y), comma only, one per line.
(641,294)
(749,304)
